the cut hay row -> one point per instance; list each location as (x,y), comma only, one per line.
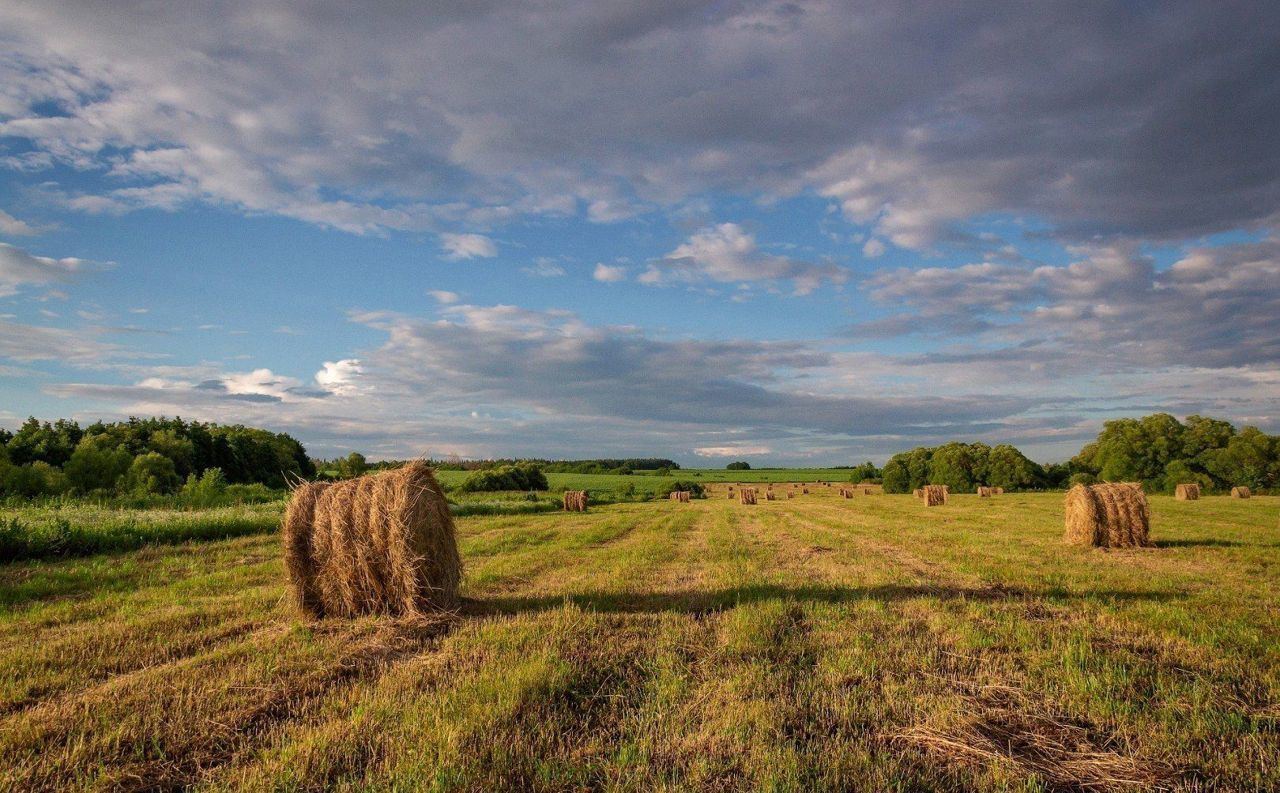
(747,495)
(575,501)
(935,495)
(378,544)
(1241,492)
(1114,515)
(1187,492)
(680,495)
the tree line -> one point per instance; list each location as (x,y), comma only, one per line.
(144,457)
(1157,450)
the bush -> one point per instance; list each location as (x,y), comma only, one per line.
(740,465)
(208,489)
(521,476)
(151,473)
(1081,479)
(667,488)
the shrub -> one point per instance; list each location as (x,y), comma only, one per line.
(667,488)
(151,473)
(740,465)
(521,476)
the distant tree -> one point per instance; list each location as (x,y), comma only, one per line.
(867,472)
(179,449)
(961,466)
(352,465)
(1251,458)
(1009,468)
(894,476)
(44,442)
(521,476)
(740,465)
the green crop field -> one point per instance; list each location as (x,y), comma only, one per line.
(811,643)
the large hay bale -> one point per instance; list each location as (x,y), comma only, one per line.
(377,544)
(1112,515)
(935,495)
(1187,492)
(1241,492)
(575,501)
(747,495)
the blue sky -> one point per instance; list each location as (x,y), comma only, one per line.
(793,233)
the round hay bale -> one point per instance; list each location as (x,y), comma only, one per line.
(747,495)
(918,492)
(1112,515)
(378,544)
(1241,492)
(1187,492)
(575,501)
(935,495)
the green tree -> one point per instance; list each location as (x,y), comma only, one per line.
(352,465)
(894,476)
(151,473)
(1251,458)
(97,464)
(961,466)
(740,465)
(44,442)
(1009,468)
(867,472)
(179,449)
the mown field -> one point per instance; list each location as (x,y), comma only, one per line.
(806,644)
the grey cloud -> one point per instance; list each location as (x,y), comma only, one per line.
(1145,120)
(1216,307)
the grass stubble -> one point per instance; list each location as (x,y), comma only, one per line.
(802,644)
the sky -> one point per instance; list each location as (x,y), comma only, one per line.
(791,233)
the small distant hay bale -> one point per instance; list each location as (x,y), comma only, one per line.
(997,491)
(918,492)
(846,492)
(934,495)
(769,496)
(806,491)
(791,494)
(747,495)
(986,492)
(866,491)
(1187,492)
(1110,515)
(575,501)
(680,495)
(378,544)
(1241,492)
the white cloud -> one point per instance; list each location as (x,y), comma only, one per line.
(873,248)
(608,273)
(467,246)
(727,253)
(444,296)
(731,451)
(19,268)
(544,268)
(14,227)
(340,377)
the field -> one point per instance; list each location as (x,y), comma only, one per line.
(801,644)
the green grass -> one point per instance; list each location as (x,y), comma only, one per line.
(814,643)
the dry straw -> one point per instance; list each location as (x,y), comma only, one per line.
(1241,492)
(935,495)
(377,544)
(747,495)
(575,500)
(1114,515)
(1187,492)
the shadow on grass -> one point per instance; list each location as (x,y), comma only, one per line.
(701,602)
(1206,543)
